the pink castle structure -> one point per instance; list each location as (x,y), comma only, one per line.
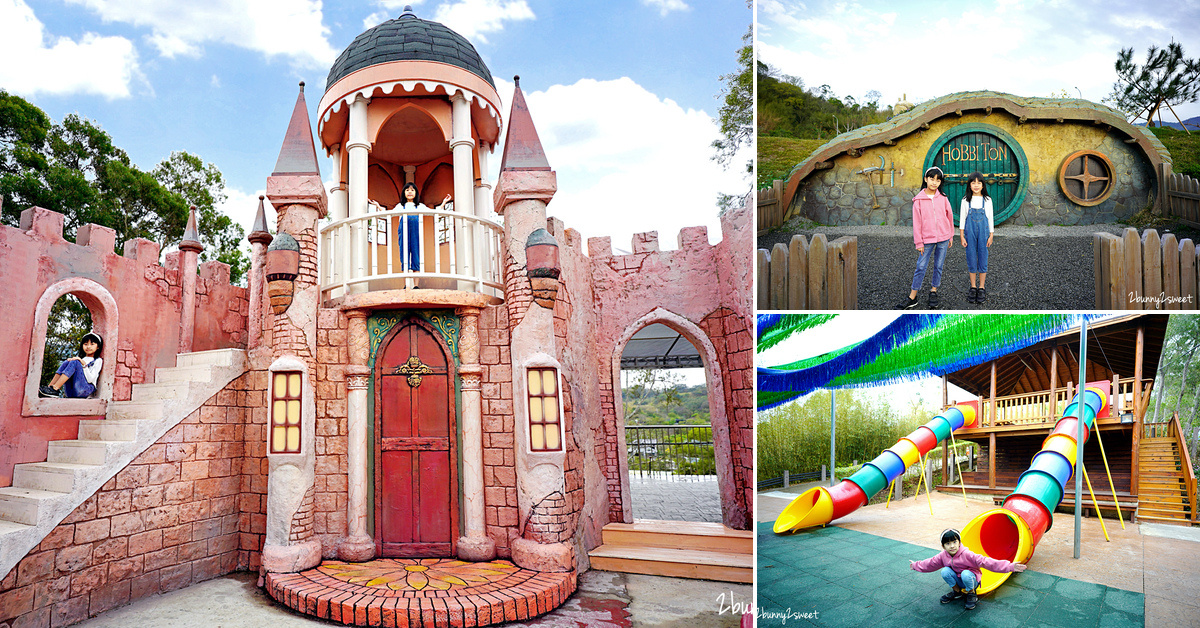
(412,416)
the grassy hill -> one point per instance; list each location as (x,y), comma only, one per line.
(778,155)
(1184,147)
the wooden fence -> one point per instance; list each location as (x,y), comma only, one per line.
(770,208)
(820,275)
(1145,273)
(1182,195)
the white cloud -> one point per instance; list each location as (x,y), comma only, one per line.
(628,161)
(666,6)
(472,19)
(39,63)
(241,207)
(292,28)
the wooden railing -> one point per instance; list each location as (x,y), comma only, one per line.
(1146,272)
(1182,198)
(368,253)
(800,275)
(1189,474)
(1037,408)
(770,207)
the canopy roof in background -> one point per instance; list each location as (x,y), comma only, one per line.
(659,347)
(911,347)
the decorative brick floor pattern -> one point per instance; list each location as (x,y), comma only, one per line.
(521,595)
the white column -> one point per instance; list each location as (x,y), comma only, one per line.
(464,179)
(358,546)
(338,256)
(475,545)
(358,146)
(483,209)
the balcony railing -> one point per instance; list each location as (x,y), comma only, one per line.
(370,252)
(678,450)
(1037,408)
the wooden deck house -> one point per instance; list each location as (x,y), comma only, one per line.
(1023,394)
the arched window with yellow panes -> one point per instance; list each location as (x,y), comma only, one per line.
(545,425)
(285,413)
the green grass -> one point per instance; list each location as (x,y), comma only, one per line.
(778,155)
(1184,147)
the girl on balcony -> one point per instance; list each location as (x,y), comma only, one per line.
(410,231)
(76,376)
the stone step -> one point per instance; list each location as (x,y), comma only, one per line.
(197,373)
(108,429)
(164,390)
(135,410)
(219,357)
(48,476)
(21,505)
(93,452)
(8,527)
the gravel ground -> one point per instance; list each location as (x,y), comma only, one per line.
(1029,268)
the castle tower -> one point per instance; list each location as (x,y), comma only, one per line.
(525,187)
(409,101)
(296,191)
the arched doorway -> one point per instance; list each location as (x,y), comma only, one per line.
(655,468)
(416,468)
(988,149)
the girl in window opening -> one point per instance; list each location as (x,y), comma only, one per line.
(975,230)
(76,376)
(933,233)
(410,259)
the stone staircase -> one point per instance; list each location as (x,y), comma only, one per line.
(1162,488)
(679,549)
(44,493)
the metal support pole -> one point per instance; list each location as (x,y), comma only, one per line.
(832,435)
(1079,398)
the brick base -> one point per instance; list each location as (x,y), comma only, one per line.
(523,594)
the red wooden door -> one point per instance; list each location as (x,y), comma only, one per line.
(416,485)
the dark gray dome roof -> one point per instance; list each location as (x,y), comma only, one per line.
(408,37)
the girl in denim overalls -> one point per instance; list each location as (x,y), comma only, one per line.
(976,228)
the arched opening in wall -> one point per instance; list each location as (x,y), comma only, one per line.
(69,320)
(54,336)
(669,436)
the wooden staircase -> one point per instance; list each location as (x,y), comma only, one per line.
(678,549)
(44,493)
(1162,487)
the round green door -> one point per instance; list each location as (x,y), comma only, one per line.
(973,147)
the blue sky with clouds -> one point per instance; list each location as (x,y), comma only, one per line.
(931,48)
(624,93)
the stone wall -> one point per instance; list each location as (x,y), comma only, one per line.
(734,343)
(172,518)
(331,484)
(838,196)
(499,461)
(148,300)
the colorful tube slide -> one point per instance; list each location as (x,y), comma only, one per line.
(1012,531)
(820,505)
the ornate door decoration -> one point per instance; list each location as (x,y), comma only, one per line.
(416,477)
(1086,177)
(973,147)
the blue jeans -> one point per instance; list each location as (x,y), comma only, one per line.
(410,260)
(76,386)
(977,232)
(964,580)
(936,250)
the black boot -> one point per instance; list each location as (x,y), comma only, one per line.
(981,296)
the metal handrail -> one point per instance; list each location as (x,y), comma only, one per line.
(649,449)
(466,252)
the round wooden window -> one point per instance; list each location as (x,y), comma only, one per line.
(1086,177)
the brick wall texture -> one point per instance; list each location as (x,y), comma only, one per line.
(171,518)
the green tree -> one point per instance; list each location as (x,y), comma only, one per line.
(1167,78)
(203,186)
(736,115)
(74,168)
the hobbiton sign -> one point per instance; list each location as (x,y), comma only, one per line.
(1045,160)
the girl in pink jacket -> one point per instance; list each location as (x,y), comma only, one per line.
(960,568)
(933,231)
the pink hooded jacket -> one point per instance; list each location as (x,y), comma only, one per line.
(933,218)
(965,559)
